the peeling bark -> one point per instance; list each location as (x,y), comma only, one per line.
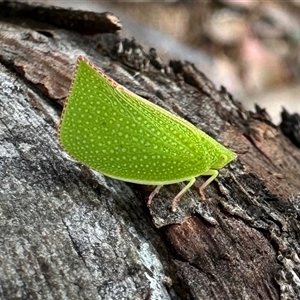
(69,233)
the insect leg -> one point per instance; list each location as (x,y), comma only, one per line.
(213,174)
(180,194)
(155,191)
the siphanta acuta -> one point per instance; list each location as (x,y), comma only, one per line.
(123,136)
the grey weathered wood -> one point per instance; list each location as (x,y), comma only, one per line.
(69,233)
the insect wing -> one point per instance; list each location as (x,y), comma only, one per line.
(125,136)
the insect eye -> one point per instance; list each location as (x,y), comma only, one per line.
(221,162)
(223,158)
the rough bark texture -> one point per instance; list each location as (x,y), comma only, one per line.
(69,233)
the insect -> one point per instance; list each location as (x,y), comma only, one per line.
(123,136)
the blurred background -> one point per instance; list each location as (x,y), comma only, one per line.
(250,47)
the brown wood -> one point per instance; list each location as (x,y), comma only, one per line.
(69,233)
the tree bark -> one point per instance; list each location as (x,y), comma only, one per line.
(70,233)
